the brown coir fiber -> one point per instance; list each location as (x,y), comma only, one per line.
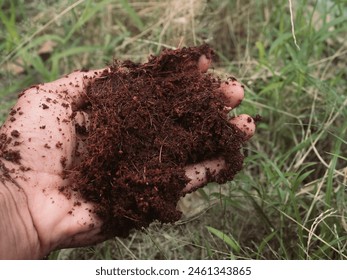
(147,122)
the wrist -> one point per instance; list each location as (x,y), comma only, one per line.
(18,236)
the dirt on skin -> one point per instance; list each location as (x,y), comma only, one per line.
(147,122)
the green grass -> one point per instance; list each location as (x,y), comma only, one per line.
(289,202)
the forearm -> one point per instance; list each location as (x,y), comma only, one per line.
(18,237)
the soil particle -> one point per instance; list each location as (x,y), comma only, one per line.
(81,129)
(47,146)
(59,145)
(44,106)
(257,118)
(65,105)
(63,161)
(15,133)
(147,122)
(77,203)
(11,155)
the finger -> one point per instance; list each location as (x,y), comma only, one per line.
(232,93)
(245,123)
(199,173)
(204,63)
(73,87)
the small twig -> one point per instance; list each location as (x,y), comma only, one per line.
(161,149)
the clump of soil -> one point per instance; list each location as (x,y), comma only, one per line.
(147,122)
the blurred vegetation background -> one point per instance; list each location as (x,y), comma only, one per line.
(289,202)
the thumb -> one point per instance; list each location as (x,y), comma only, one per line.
(73,86)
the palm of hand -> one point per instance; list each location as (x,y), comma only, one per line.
(45,129)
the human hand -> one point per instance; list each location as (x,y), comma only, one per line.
(36,216)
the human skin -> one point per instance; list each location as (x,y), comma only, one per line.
(34,214)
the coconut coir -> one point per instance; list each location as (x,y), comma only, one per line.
(147,122)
